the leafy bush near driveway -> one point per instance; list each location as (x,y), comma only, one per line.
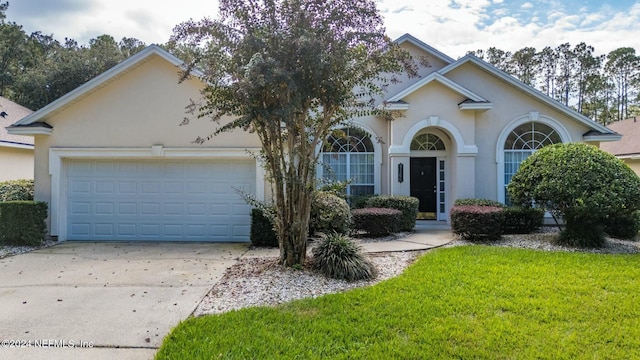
(407,204)
(376,221)
(16,190)
(22,223)
(338,257)
(477,223)
(329,213)
(581,183)
(262,233)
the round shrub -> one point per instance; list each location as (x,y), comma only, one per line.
(376,221)
(477,223)
(329,213)
(16,190)
(579,182)
(407,204)
(338,257)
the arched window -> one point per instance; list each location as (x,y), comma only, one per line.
(427,142)
(348,154)
(521,143)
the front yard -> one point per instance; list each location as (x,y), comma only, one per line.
(460,302)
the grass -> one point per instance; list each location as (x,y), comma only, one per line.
(466,302)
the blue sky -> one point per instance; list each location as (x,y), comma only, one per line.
(452,26)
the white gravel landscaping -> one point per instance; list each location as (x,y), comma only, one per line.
(262,281)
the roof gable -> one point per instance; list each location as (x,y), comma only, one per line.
(426,48)
(435,77)
(97,82)
(602,132)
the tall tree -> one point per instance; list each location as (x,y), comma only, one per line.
(589,67)
(498,58)
(565,75)
(623,66)
(523,64)
(547,67)
(13,50)
(290,71)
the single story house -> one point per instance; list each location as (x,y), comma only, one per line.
(16,151)
(627,149)
(114,164)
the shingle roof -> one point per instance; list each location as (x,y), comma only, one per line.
(630,143)
(11,112)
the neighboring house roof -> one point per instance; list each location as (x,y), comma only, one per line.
(11,112)
(32,124)
(629,146)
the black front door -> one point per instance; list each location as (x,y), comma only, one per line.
(423,183)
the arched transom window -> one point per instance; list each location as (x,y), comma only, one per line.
(348,154)
(523,141)
(427,142)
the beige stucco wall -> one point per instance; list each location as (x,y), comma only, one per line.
(15,163)
(510,104)
(138,109)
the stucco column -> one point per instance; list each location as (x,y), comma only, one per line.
(397,187)
(464,177)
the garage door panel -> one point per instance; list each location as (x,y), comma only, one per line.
(129,200)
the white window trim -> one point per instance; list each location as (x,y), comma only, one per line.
(58,205)
(506,131)
(377,154)
(458,143)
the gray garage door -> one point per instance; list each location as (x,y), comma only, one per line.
(188,200)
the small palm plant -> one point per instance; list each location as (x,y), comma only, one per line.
(338,257)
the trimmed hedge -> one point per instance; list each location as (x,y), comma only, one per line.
(408,205)
(623,226)
(16,190)
(376,221)
(329,213)
(22,223)
(477,202)
(519,220)
(477,223)
(262,233)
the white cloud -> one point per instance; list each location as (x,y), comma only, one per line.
(527,6)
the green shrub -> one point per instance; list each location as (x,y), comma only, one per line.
(329,213)
(338,257)
(477,223)
(407,204)
(22,223)
(262,233)
(519,220)
(477,202)
(580,183)
(16,190)
(359,201)
(623,226)
(376,221)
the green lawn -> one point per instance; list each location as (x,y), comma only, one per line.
(465,302)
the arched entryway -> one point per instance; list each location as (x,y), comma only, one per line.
(427,172)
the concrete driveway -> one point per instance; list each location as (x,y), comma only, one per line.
(89,300)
